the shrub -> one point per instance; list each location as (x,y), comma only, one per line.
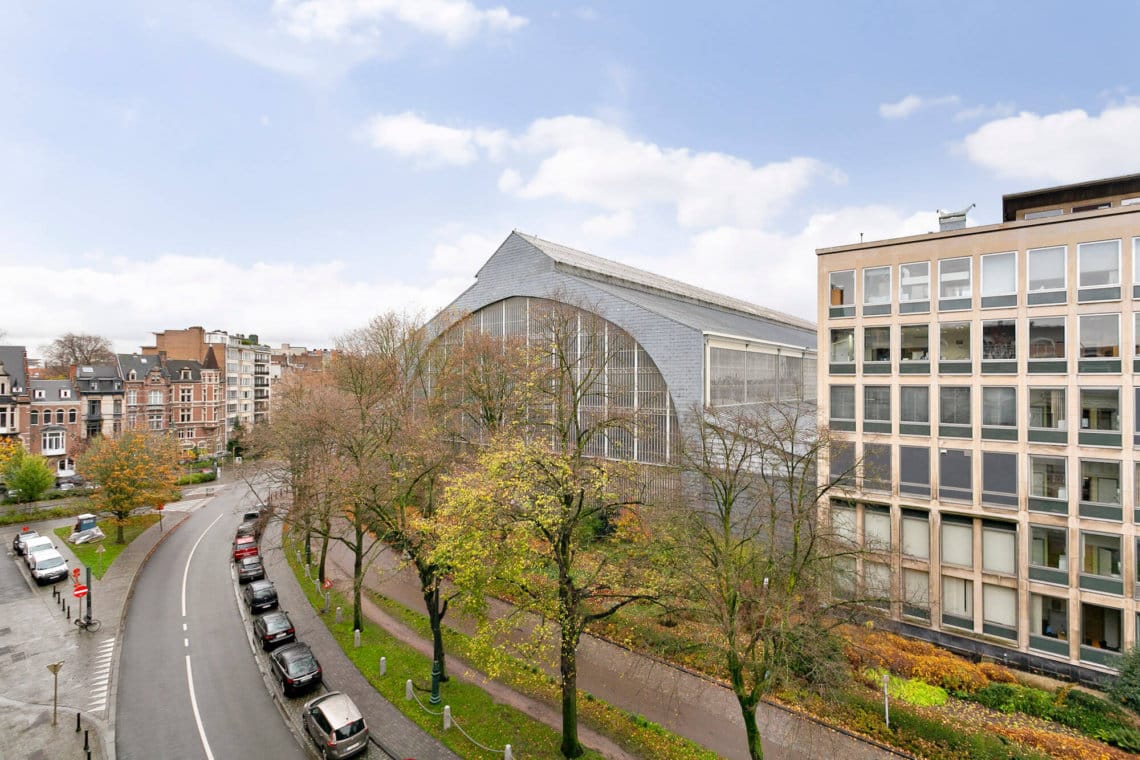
(196,477)
(1126,688)
(996,673)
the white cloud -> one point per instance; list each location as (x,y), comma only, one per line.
(996,111)
(464,255)
(1068,146)
(410,136)
(911,103)
(352,20)
(127,300)
(616,225)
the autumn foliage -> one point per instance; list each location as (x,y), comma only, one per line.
(918,659)
(133,470)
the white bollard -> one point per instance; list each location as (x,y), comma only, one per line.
(408,690)
(299,557)
(307,573)
(339,612)
(356,638)
(507,753)
(446,717)
(383,665)
(326,607)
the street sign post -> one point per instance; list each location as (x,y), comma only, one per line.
(75,571)
(79,591)
(327,584)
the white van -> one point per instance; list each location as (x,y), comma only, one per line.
(37,544)
(48,566)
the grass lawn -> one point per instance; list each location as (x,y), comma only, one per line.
(99,562)
(27,514)
(490,723)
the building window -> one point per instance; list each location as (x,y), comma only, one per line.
(877,403)
(59,416)
(877,472)
(1100,335)
(999,340)
(1047,408)
(999,275)
(999,407)
(914,282)
(954,278)
(842,460)
(916,593)
(915,343)
(154,420)
(914,403)
(35,417)
(1099,264)
(999,607)
(1048,547)
(71,415)
(842,290)
(914,470)
(844,574)
(185,395)
(843,403)
(843,521)
(52,442)
(954,344)
(132,398)
(1049,616)
(1100,555)
(1047,269)
(1100,482)
(184,415)
(1047,478)
(916,534)
(1100,627)
(957,541)
(877,583)
(877,528)
(999,478)
(842,349)
(958,597)
(876,344)
(154,398)
(1100,409)
(876,286)
(999,548)
(954,405)
(1047,338)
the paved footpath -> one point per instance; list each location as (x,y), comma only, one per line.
(684,703)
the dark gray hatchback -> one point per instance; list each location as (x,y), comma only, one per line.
(250,569)
(260,596)
(274,629)
(296,668)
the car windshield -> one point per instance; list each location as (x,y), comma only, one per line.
(50,562)
(275,623)
(251,563)
(302,663)
(264,593)
(351,729)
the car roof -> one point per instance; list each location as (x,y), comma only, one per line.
(28,533)
(45,553)
(338,708)
(294,651)
(258,585)
(40,541)
(254,560)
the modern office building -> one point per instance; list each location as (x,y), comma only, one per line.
(983,378)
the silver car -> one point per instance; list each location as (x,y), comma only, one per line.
(336,725)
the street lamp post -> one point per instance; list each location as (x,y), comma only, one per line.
(54,668)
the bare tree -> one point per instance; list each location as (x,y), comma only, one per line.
(71,349)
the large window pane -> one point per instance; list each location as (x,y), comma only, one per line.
(1100,409)
(915,343)
(958,596)
(999,339)
(876,529)
(1047,338)
(999,550)
(999,605)
(843,522)
(1099,263)
(1100,627)
(877,472)
(1100,335)
(1100,555)
(1100,482)
(877,403)
(915,535)
(1048,547)
(954,344)
(914,402)
(954,278)
(877,285)
(916,593)
(999,274)
(876,344)
(1047,477)
(726,382)
(842,402)
(1047,408)
(842,346)
(1049,616)
(1047,268)
(843,288)
(877,582)
(954,405)
(914,282)
(999,407)
(957,543)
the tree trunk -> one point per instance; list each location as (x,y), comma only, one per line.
(429,583)
(568,669)
(748,704)
(120,538)
(324,558)
(357,578)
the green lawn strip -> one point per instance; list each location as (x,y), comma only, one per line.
(633,732)
(100,562)
(52,513)
(492,724)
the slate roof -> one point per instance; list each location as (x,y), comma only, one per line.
(105,376)
(142,365)
(51,389)
(175,366)
(12,357)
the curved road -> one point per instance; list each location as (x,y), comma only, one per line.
(189,686)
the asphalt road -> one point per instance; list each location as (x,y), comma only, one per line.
(189,685)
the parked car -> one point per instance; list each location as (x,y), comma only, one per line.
(254,520)
(274,629)
(336,725)
(48,566)
(20,538)
(245,546)
(246,529)
(33,545)
(260,596)
(296,668)
(250,569)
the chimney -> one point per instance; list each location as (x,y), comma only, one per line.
(953,220)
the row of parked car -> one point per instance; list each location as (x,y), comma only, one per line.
(331,719)
(44,561)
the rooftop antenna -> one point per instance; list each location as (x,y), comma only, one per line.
(860,237)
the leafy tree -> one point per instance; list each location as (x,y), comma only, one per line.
(526,515)
(751,553)
(10,450)
(30,476)
(72,349)
(133,470)
(1125,689)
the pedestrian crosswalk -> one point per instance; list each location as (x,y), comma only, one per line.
(99,683)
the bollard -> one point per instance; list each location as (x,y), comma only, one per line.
(436,672)
(507,753)
(408,690)
(299,559)
(339,613)
(69,612)
(446,717)
(308,573)
(383,665)
(77,716)
(356,638)
(86,743)
(88,754)
(325,608)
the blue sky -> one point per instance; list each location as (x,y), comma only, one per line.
(292,167)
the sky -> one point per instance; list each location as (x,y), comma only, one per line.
(292,168)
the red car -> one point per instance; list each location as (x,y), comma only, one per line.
(245,546)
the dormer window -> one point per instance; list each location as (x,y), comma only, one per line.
(94,385)
(132,375)
(65,393)
(185,374)
(38,393)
